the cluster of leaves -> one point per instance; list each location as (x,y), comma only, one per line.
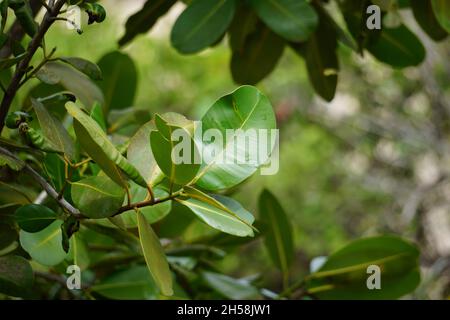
(113,191)
(259,30)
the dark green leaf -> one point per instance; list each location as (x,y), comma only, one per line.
(34,217)
(154,256)
(16,276)
(424,14)
(145,18)
(87,67)
(201,24)
(441,10)
(294,20)
(119,80)
(344,275)
(97,197)
(278,233)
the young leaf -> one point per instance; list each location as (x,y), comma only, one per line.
(97,197)
(164,148)
(154,256)
(278,236)
(53,130)
(16,276)
(218,217)
(119,80)
(245,109)
(201,24)
(441,9)
(85,66)
(34,217)
(258,56)
(95,142)
(145,18)
(344,275)
(294,20)
(141,156)
(44,246)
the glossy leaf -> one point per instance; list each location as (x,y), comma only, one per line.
(154,256)
(76,82)
(201,24)
(144,19)
(119,80)
(278,233)
(164,148)
(129,284)
(218,217)
(34,217)
(344,275)
(85,66)
(16,276)
(294,20)
(231,288)
(97,197)
(258,56)
(441,9)
(44,246)
(245,108)
(141,156)
(53,130)
(95,142)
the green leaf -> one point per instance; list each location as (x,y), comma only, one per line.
(441,10)
(8,235)
(97,197)
(16,276)
(78,252)
(97,115)
(245,108)
(424,14)
(201,24)
(278,233)
(44,246)
(53,130)
(231,288)
(119,80)
(165,148)
(344,275)
(294,20)
(218,217)
(141,156)
(154,256)
(85,66)
(34,217)
(11,162)
(9,62)
(145,18)
(258,56)
(152,213)
(321,58)
(74,81)
(95,142)
(398,47)
(130,284)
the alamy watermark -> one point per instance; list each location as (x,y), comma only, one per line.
(230,147)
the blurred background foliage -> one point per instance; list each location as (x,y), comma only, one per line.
(375,160)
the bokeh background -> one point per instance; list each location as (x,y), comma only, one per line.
(376,160)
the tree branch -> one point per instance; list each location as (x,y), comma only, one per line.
(44,184)
(24,63)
